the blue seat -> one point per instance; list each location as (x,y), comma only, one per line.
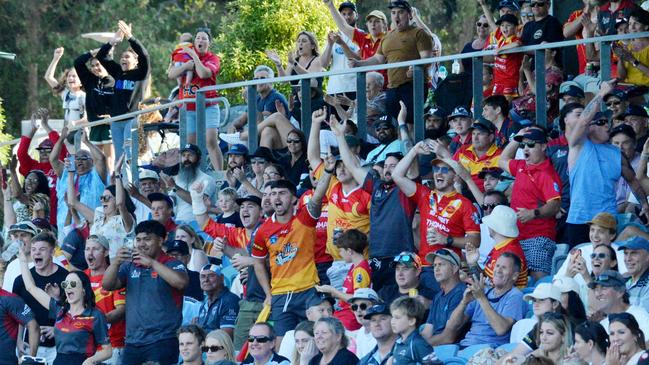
(545,279)
(455,361)
(444,352)
(468,352)
(508,347)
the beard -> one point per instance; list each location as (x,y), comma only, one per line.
(434,133)
(188,172)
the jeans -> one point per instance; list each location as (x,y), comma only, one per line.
(121,133)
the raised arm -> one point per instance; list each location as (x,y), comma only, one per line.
(98,157)
(120,197)
(349,158)
(51,69)
(73,200)
(313,146)
(325,57)
(489,15)
(342,25)
(576,132)
(509,153)
(143,60)
(315,204)
(112,67)
(274,57)
(39,294)
(406,185)
(9,215)
(57,165)
(198,204)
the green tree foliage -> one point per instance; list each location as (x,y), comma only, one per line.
(4,151)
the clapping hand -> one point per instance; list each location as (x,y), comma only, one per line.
(125,29)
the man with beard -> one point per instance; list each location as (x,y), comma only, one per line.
(110,303)
(237,159)
(391,213)
(149,183)
(239,239)
(386,133)
(46,274)
(188,174)
(266,204)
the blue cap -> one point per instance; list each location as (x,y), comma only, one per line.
(460,111)
(484,125)
(635,243)
(178,246)
(213,268)
(511,4)
(636,110)
(573,91)
(238,149)
(377,309)
(620,94)
(161,197)
(533,134)
(192,148)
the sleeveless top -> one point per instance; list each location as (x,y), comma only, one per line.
(593,181)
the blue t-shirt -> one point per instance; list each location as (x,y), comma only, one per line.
(510,304)
(90,187)
(13,312)
(222,313)
(443,305)
(267,104)
(411,351)
(153,307)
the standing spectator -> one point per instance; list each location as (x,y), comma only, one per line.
(574,27)
(220,307)
(191,340)
(131,76)
(30,201)
(446,264)
(544,28)
(407,316)
(574,94)
(219,349)
(623,136)
(381,329)
(304,342)
(15,313)
(69,89)
(179,250)
(162,210)
(21,234)
(496,110)
(288,239)
(331,341)
(636,260)
(44,273)
(594,163)
(633,60)
(100,89)
(536,198)
(609,12)
(507,66)
(617,101)
(110,303)
(154,284)
(387,135)
(403,43)
(206,67)
(591,342)
(237,159)
(460,121)
(198,258)
(261,344)
(478,44)
(79,327)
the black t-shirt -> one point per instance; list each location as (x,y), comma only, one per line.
(233,219)
(294,172)
(467,63)
(343,357)
(41,314)
(548,29)
(193,289)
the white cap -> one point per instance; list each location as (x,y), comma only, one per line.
(148,174)
(365,293)
(503,221)
(544,291)
(566,284)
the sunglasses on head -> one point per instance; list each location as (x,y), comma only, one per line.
(19,227)
(259,339)
(403,258)
(600,255)
(68,284)
(212,348)
(483,25)
(441,169)
(600,122)
(527,144)
(362,306)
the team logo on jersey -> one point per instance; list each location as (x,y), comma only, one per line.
(556,187)
(359,278)
(26,310)
(538,34)
(273,239)
(135,274)
(288,253)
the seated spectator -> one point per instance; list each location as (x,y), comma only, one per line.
(410,347)
(331,341)
(191,340)
(636,116)
(149,182)
(304,343)
(162,211)
(491,200)
(237,159)
(633,60)
(502,301)
(16,313)
(318,306)
(555,338)
(627,340)
(408,283)
(496,110)
(386,133)
(636,260)
(610,292)
(374,82)
(460,121)
(226,202)
(219,349)
(624,137)
(502,228)
(591,343)
(507,66)
(179,250)
(435,123)
(381,329)
(220,307)
(525,106)
(261,340)
(361,302)
(570,300)
(608,12)
(351,244)
(295,162)
(252,183)
(446,265)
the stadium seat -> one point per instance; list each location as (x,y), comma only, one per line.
(455,361)
(444,352)
(471,350)
(545,279)
(508,347)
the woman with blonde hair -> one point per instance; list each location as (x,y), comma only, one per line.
(554,338)
(304,343)
(219,348)
(185,232)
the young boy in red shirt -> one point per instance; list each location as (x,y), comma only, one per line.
(507,66)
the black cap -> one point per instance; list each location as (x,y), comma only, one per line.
(318,299)
(377,309)
(620,94)
(435,112)
(534,134)
(249,198)
(178,246)
(509,18)
(161,197)
(401,4)
(484,125)
(347,5)
(510,4)
(192,148)
(636,110)
(384,120)
(623,129)
(460,111)
(265,153)
(574,91)
(493,171)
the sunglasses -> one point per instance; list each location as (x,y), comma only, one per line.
(537,4)
(293,141)
(83,158)
(441,169)
(404,259)
(527,15)
(527,144)
(213,348)
(600,255)
(600,122)
(19,227)
(259,339)
(482,25)
(105,198)
(362,306)
(259,78)
(488,206)
(257,160)
(611,103)
(68,284)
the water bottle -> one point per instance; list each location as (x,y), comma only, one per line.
(442,73)
(456,67)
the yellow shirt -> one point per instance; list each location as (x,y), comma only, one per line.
(633,74)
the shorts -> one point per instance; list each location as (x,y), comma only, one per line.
(212,118)
(100,134)
(538,253)
(287,310)
(501,89)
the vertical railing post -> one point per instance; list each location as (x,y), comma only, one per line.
(476,81)
(418,102)
(539,77)
(605,61)
(361,105)
(305,104)
(252,118)
(135,149)
(200,126)
(182,124)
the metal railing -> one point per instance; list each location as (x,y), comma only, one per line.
(418,91)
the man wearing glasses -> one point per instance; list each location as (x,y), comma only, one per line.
(536,197)
(261,344)
(544,28)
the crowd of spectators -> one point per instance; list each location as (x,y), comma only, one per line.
(334,247)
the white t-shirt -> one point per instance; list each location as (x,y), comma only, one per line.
(640,315)
(74,105)
(487,243)
(520,329)
(287,347)
(142,212)
(365,342)
(183,209)
(341,83)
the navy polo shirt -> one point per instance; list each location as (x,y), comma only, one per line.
(443,305)
(411,351)
(222,313)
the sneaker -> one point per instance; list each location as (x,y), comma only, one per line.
(232,138)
